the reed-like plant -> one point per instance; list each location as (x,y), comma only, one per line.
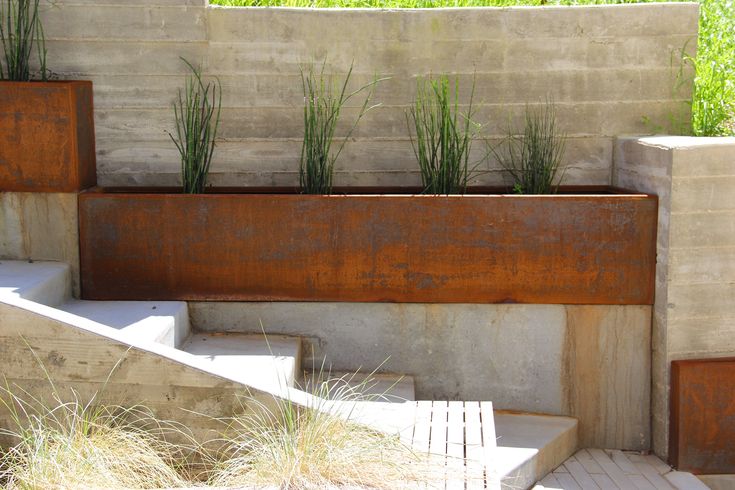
(442,135)
(534,158)
(324,99)
(197,114)
(20,31)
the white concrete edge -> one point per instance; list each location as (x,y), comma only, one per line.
(666,142)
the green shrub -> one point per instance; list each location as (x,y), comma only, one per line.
(713,98)
(533,158)
(442,135)
(324,99)
(197,114)
(20,30)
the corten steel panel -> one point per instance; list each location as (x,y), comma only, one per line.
(702,429)
(570,249)
(46,136)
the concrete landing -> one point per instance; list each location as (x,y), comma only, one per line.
(274,362)
(595,469)
(375,387)
(530,446)
(166,322)
(47,283)
(718,482)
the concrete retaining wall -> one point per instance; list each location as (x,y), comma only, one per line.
(606,66)
(694,313)
(40,226)
(590,362)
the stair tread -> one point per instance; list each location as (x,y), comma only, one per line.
(47,283)
(529,446)
(250,359)
(393,388)
(144,320)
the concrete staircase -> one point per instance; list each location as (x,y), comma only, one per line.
(525,447)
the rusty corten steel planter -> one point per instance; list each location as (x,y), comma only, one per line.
(702,428)
(575,249)
(46,136)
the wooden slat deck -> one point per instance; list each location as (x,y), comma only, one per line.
(460,439)
(597,469)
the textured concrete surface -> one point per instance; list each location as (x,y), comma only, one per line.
(530,446)
(694,315)
(606,66)
(274,361)
(40,226)
(590,362)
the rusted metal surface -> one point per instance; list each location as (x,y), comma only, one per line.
(46,136)
(573,249)
(702,429)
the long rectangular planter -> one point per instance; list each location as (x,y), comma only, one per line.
(574,249)
(47,136)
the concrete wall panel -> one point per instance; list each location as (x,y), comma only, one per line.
(606,66)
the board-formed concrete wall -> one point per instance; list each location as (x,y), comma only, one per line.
(607,67)
(589,362)
(694,312)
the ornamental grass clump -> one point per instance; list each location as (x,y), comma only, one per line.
(20,31)
(442,136)
(534,158)
(75,444)
(317,446)
(197,115)
(324,99)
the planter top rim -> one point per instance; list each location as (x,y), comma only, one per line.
(367,192)
(44,82)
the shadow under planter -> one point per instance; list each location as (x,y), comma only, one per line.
(46,136)
(596,247)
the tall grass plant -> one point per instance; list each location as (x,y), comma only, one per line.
(441,135)
(197,115)
(324,99)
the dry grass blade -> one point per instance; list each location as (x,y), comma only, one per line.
(303,448)
(62,443)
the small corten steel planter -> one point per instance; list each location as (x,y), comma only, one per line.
(477,248)
(46,136)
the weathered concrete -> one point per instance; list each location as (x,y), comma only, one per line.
(40,226)
(694,313)
(606,67)
(590,362)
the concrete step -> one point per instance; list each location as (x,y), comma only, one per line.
(381,387)
(166,322)
(47,283)
(268,363)
(530,446)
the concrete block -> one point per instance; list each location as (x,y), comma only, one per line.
(606,375)
(47,283)
(40,226)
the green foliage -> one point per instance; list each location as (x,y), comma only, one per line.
(197,114)
(20,31)
(408,3)
(443,135)
(713,100)
(534,158)
(324,100)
